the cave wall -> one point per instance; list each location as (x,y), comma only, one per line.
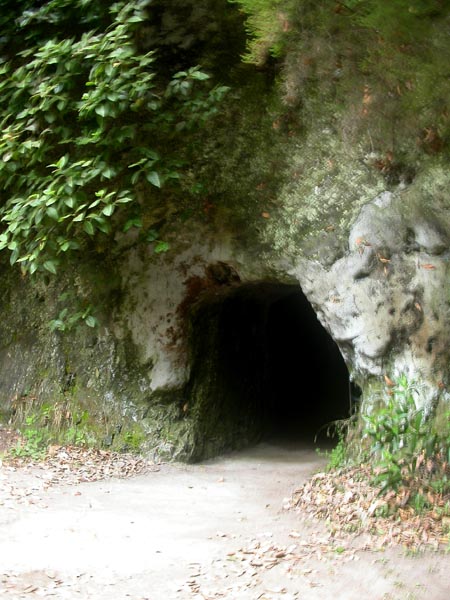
(382,296)
(386,301)
(300,184)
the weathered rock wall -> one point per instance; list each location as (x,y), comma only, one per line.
(386,300)
(374,268)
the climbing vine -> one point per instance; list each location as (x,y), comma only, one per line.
(89,127)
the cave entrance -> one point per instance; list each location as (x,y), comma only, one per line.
(263,367)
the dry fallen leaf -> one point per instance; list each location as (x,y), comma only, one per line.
(294,534)
(388,381)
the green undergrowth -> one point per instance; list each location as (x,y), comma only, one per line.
(68,423)
(407,449)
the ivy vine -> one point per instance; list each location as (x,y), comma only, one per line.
(89,124)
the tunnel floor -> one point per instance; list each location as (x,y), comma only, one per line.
(270,370)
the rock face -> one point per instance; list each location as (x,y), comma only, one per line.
(319,232)
(379,290)
(385,302)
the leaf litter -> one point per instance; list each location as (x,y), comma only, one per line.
(23,481)
(351,505)
(359,518)
(74,464)
(345,499)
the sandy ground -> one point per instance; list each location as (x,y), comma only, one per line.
(201,532)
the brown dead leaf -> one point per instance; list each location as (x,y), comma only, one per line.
(221,534)
(388,381)
(265,215)
(367,96)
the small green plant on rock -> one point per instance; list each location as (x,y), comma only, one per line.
(341,455)
(33,442)
(67,422)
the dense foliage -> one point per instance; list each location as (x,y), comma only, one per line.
(91,123)
(399,450)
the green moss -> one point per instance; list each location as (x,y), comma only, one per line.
(326,191)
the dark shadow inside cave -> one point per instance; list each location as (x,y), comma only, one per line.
(264,368)
(306,380)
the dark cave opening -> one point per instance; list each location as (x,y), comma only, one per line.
(307,381)
(265,368)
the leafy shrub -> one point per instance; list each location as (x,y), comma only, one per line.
(402,443)
(89,127)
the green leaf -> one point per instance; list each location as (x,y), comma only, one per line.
(50,265)
(103,110)
(138,163)
(153,178)
(62,162)
(52,213)
(124,200)
(57,325)
(14,256)
(135,222)
(88,227)
(91,321)
(198,75)
(102,224)
(161,247)
(152,235)
(108,172)
(108,210)
(135,19)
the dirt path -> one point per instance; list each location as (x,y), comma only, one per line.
(199,532)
